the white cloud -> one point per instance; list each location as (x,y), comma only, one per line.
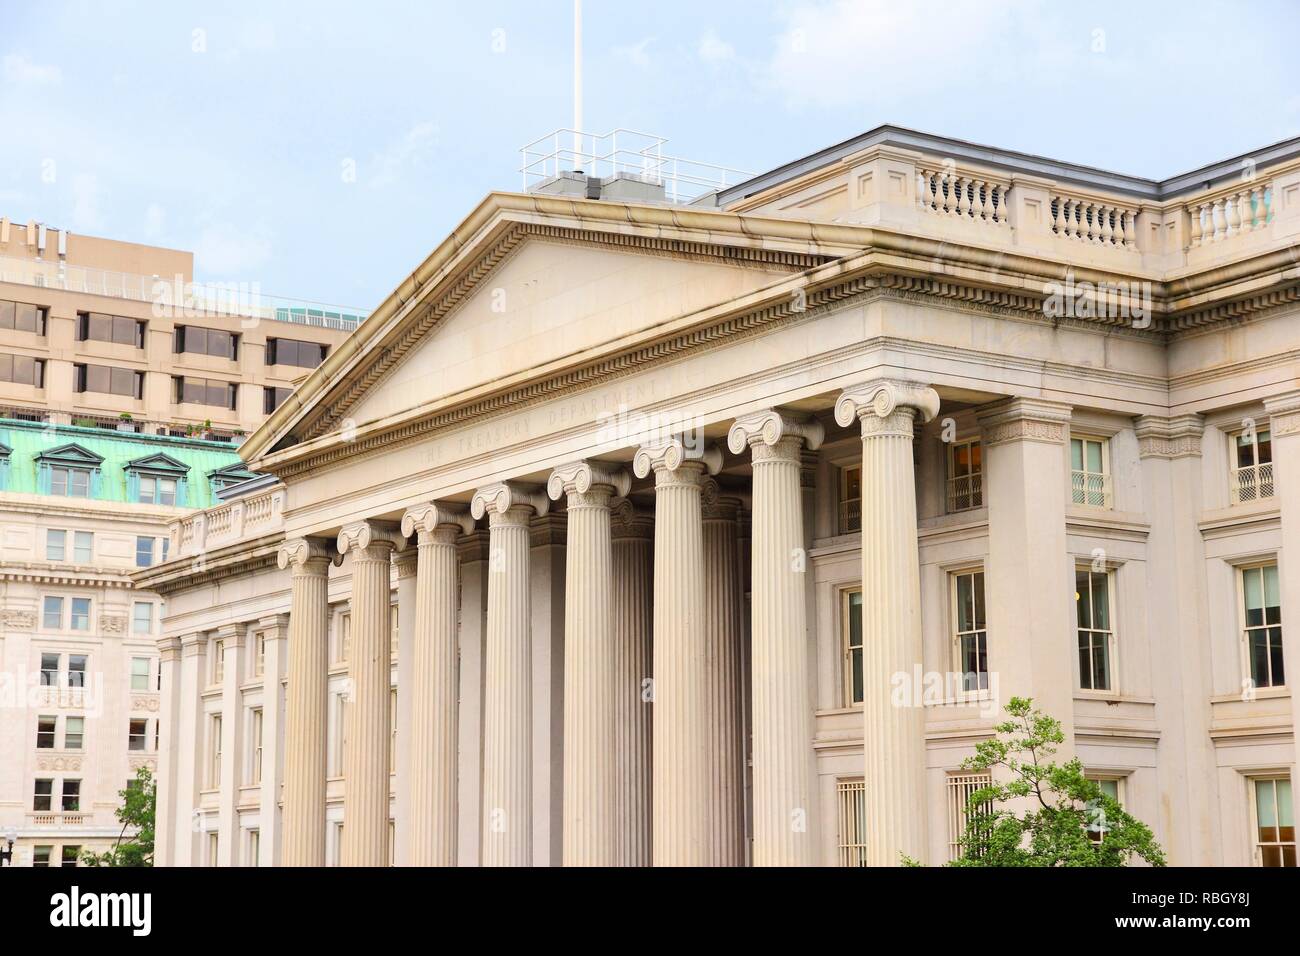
(228,251)
(638,54)
(714,49)
(21,71)
(881,51)
(410,151)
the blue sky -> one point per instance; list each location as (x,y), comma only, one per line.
(226,128)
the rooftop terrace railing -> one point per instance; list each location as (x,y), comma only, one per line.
(240,300)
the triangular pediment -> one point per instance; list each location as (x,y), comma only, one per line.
(159,462)
(70,454)
(231,474)
(546,302)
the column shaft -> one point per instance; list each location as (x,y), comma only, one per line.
(306,717)
(633,623)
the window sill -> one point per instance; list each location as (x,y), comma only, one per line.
(1260,693)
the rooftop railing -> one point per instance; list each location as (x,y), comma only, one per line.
(623,152)
(240,300)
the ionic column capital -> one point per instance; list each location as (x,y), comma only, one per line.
(373,539)
(579,477)
(673,456)
(308,555)
(1176,437)
(886,406)
(627,521)
(1024,419)
(425,519)
(717,502)
(770,428)
(500,499)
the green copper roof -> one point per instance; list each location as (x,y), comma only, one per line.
(29,439)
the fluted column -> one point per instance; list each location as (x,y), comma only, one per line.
(306,718)
(782,703)
(433,693)
(682,807)
(365,761)
(633,616)
(507,723)
(590,772)
(722,632)
(894,741)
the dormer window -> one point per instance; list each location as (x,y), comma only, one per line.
(157,480)
(5,453)
(223,478)
(69,471)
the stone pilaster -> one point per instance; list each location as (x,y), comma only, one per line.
(233,638)
(633,626)
(365,761)
(507,718)
(590,773)
(431,746)
(722,655)
(1284,426)
(274,630)
(472,550)
(189,759)
(893,737)
(169,704)
(306,718)
(682,803)
(784,781)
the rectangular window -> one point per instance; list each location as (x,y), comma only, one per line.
(52,614)
(22,370)
(1263,625)
(965,475)
(218,661)
(1097,823)
(55,545)
(143,551)
(204,391)
(50,667)
(255,729)
(971,639)
(109,380)
(214,751)
(81,614)
(71,796)
(118,329)
(142,620)
(1252,466)
(259,654)
(201,341)
(42,795)
(155,490)
(392,728)
(77,670)
(41,855)
(70,855)
(294,352)
(273,398)
(74,732)
(1089,472)
(852,799)
(140,672)
(213,846)
(1274,822)
(1096,636)
(69,482)
(961,787)
(137,734)
(46,728)
(850,499)
(254,848)
(852,627)
(83,547)
(23,317)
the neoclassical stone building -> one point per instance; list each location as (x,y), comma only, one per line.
(632,532)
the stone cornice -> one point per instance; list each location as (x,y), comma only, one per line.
(36,572)
(240,559)
(1176,437)
(1283,414)
(1025,419)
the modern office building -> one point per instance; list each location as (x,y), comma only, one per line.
(105,437)
(649,525)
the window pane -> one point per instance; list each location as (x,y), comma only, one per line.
(1076,454)
(142,621)
(1100,600)
(166,491)
(77,670)
(143,552)
(54,545)
(81,614)
(83,546)
(978,578)
(965,603)
(1272,595)
(52,617)
(1094,457)
(1083,598)
(1263,448)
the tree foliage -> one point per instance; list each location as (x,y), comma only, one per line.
(134,846)
(1039,813)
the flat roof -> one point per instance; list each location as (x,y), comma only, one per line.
(1014,162)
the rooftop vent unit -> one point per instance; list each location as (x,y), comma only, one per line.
(622,165)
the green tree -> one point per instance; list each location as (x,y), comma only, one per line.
(134,846)
(1064,819)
